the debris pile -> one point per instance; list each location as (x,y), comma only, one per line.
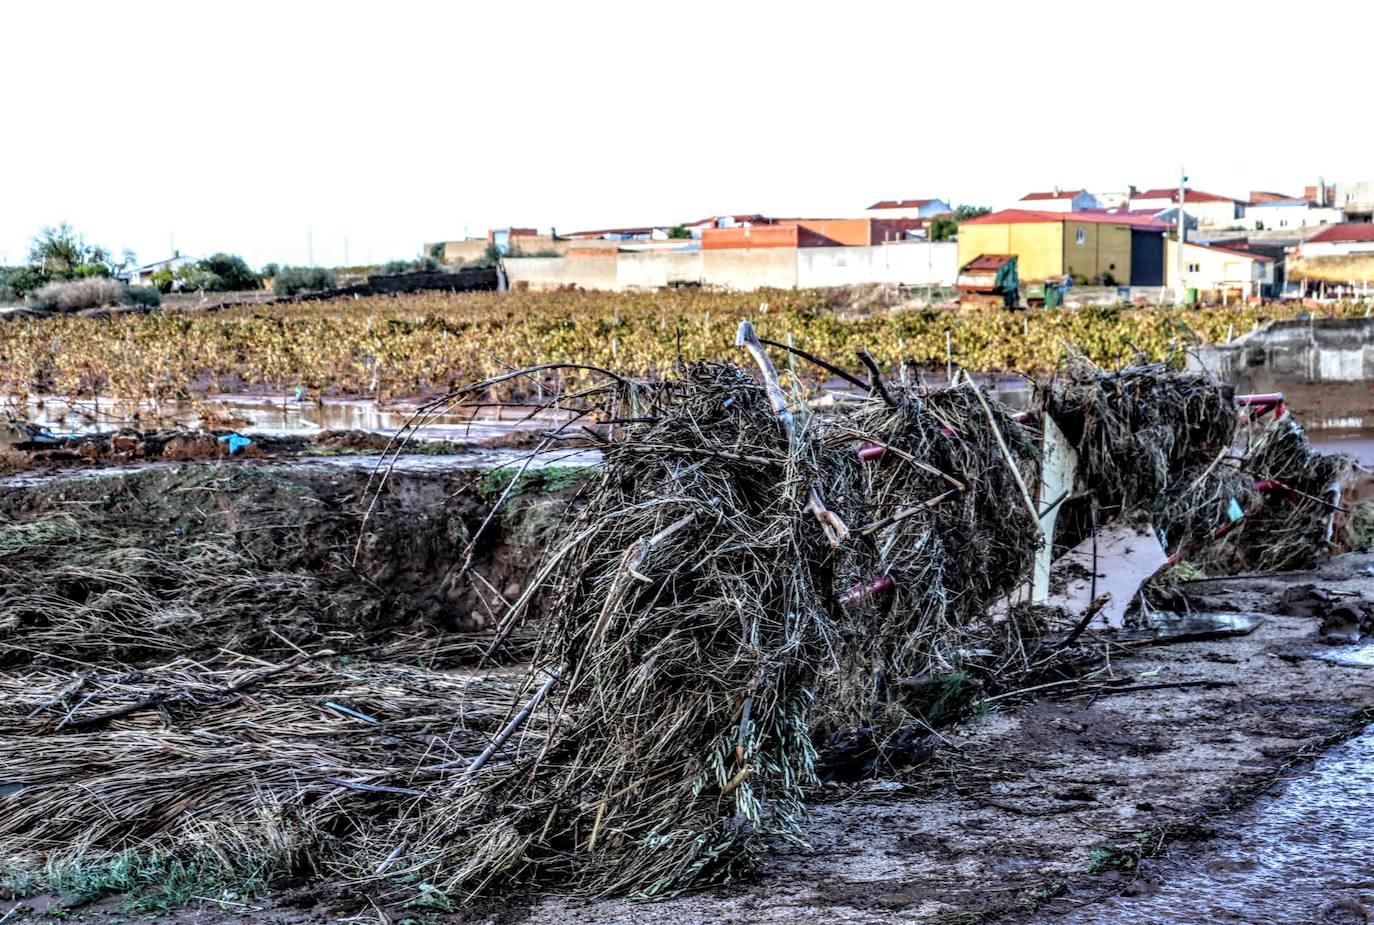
(747,577)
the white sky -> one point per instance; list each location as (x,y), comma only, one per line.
(248,126)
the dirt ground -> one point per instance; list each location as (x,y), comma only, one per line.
(1037,809)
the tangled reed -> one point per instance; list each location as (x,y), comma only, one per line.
(748,577)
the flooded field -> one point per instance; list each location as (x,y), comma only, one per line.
(283,416)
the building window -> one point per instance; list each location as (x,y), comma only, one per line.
(1081,236)
(1194,268)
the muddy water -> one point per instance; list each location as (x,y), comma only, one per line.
(278,416)
(1304,853)
(484,459)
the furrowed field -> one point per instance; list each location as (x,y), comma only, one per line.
(392,346)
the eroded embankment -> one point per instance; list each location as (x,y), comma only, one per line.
(325,553)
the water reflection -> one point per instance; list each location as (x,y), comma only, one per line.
(1303,854)
(280,417)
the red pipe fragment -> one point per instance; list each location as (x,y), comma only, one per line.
(869,451)
(1263,402)
(864,590)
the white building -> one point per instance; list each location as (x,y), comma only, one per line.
(1058,200)
(1276,214)
(1231,274)
(142,276)
(1356,200)
(1210,210)
(907,208)
(1120,199)
(1339,241)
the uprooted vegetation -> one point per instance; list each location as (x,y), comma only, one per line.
(744,591)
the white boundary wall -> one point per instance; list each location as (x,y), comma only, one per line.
(907,263)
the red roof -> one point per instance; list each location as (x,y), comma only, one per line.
(1234,251)
(1191,195)
(1103,217)
(1061,194)
(901,204)
(1343,233)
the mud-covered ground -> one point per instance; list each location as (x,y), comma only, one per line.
(1069,802)
(1061,804)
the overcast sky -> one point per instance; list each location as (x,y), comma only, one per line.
(253,127)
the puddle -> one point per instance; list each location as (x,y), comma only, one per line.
(1357,655)
(471,459)
(1303,854)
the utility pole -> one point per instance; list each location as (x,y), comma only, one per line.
(1182,287)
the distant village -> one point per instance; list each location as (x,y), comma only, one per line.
(1108,246)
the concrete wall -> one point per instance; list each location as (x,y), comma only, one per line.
(656,269)
(851,232)
(536,272)
(1283,353)
(909,263)
(750,268)
(460,251)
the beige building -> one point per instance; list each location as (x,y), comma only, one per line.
(1219,274)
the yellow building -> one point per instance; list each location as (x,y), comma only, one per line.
(1100,247)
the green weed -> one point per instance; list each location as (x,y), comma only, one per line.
(151,884)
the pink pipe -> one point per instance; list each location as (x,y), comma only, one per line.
(1260,398)
(1263,402)
(864,590)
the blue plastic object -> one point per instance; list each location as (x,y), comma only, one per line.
(236,442)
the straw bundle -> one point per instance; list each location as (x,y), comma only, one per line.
(685,637)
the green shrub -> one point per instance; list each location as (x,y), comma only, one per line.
(194,277)
(24,280)
(147,296)
(291,281)
(424,264)
(233,272)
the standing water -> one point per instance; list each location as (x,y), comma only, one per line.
(1304,853)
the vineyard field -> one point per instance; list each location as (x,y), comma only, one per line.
(388,347)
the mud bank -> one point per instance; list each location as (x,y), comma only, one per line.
(385,553)
(1065,804)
